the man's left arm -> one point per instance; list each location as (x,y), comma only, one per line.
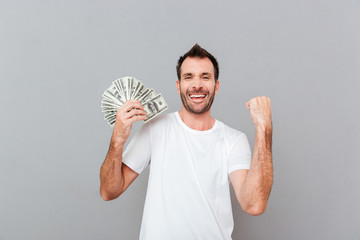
(252,187)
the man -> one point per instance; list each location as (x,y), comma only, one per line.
(192,158)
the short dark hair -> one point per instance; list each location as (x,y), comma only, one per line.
(198,52)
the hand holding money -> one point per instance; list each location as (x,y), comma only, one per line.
(130,88)
(127,114)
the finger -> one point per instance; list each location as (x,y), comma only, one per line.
(136,118)
(128,106)
(128,118)
(248,104)
(132,104)
(268,100)
(135,112)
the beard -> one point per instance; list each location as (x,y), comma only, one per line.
(186,101)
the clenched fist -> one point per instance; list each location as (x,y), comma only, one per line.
(260,111)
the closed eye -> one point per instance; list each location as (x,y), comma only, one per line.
(187,76)
(206,76)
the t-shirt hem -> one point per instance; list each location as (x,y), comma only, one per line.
(129,164)
(238,167)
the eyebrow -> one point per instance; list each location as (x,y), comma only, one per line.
(206,74)
(186,74)
(203,74)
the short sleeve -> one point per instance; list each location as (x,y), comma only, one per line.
(240,155)
(138,152)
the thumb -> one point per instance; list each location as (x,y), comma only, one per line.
(247,105)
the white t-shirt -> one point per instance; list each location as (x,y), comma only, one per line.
(188,195)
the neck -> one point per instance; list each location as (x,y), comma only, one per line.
(200,122)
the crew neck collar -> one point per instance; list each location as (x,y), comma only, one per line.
(213,128)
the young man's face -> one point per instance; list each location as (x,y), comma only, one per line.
(197,86)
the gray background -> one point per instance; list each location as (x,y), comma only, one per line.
(57,57)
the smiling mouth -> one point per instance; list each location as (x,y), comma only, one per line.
(197,96)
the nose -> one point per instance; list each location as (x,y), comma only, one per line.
(196,83)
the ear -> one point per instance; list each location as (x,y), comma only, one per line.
(217,85)
(178,86)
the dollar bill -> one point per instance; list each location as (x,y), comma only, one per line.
(154,107)
(127,88)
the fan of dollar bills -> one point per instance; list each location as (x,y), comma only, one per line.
(128,88)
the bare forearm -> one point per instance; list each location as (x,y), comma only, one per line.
(257,186)
(111,173)
(111,177)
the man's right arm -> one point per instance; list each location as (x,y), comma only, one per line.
(115,177)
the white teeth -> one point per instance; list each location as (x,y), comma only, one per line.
(192,96)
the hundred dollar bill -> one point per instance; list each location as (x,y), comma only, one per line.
(128,88)
(113,95)
(123,84)
(138,87)
(119,88)
(154,107)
